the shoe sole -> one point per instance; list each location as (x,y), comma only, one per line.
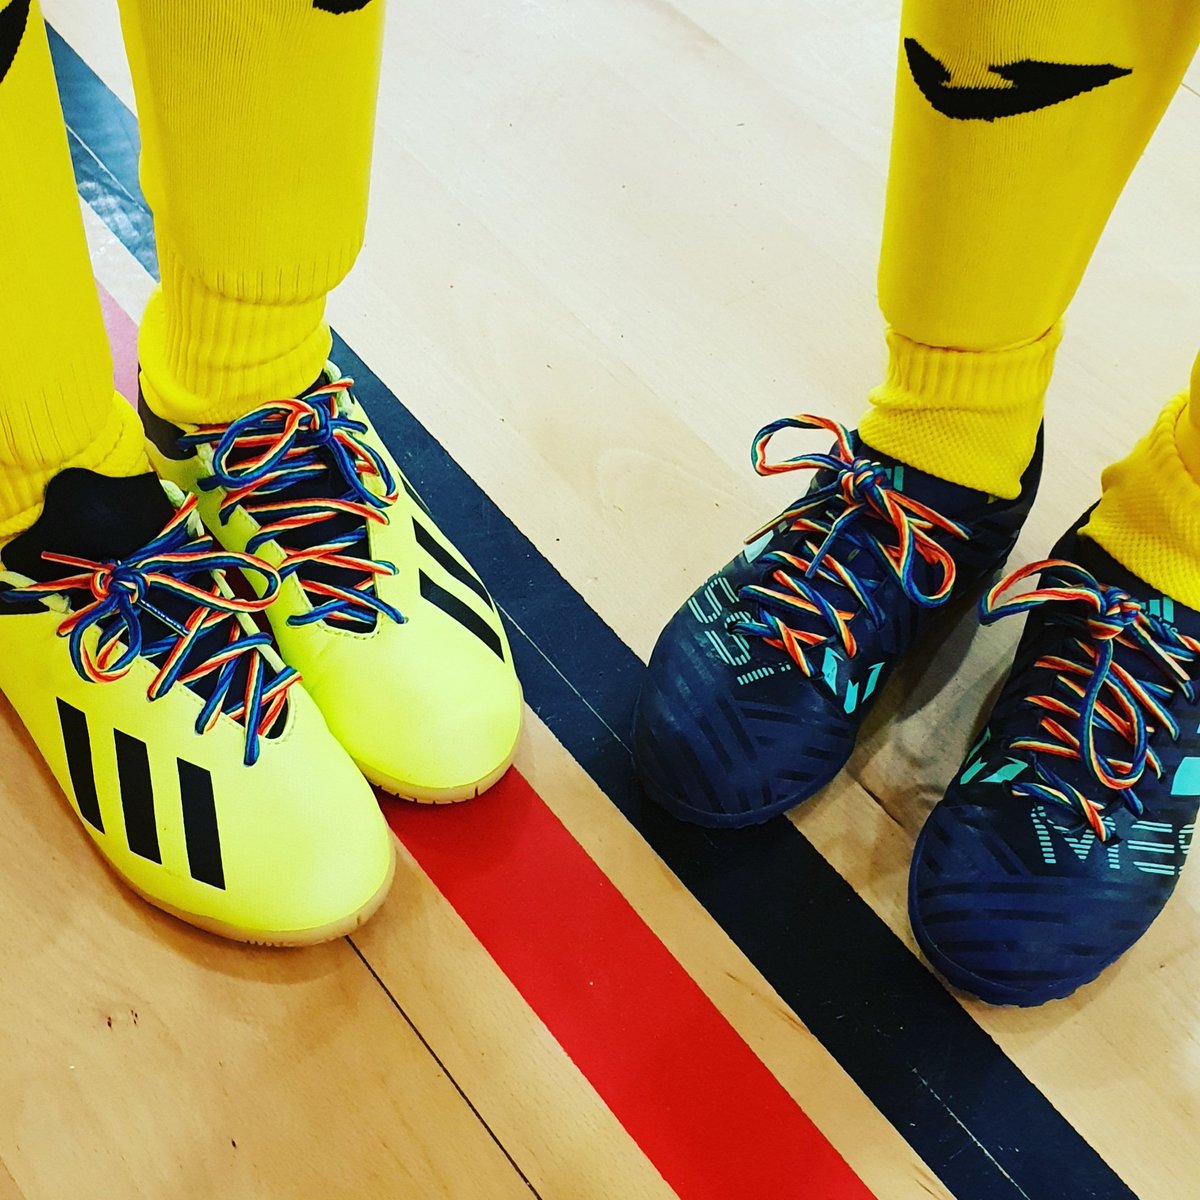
(434,796)
(279,939)
(453,795)
(724,820)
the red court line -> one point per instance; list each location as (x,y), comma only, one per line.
(692,1094)
(697,1100)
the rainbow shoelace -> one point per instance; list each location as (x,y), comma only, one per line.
(160,576)
(859,495)
(282,463)
(1104,695)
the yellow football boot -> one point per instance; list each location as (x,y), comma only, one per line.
(202,771)
(397,639)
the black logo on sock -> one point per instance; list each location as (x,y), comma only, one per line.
(1034,85)
(340,6)
(12,30)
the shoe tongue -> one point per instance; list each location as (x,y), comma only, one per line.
(90,516)
(950,500)
(323,485)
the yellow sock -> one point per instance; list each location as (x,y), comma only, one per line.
(256,122)
(1017,123)
(1149,516)
(57,405)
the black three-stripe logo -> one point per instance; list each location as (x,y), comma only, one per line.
(340,6)
(449,603)
(201,836)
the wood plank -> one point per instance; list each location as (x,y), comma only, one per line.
(540,1106)
(878,1155)
(144,1059)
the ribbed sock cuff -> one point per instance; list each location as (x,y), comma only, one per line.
(119,449)
(209,357)
(969,417)
(1148,518)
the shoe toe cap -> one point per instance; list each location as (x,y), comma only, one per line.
(998,921)
(313,856)
(290,851)
(720,752)
(428,731)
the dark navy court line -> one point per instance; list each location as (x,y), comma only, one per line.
(959,1101)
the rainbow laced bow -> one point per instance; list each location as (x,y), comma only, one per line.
(268,462)
(851,506)
(121,592)
(1103,694)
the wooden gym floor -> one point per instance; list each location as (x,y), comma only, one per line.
(609,239)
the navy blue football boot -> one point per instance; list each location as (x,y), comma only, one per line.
(1065,830)
(759,684)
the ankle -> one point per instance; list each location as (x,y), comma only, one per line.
(971,418)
